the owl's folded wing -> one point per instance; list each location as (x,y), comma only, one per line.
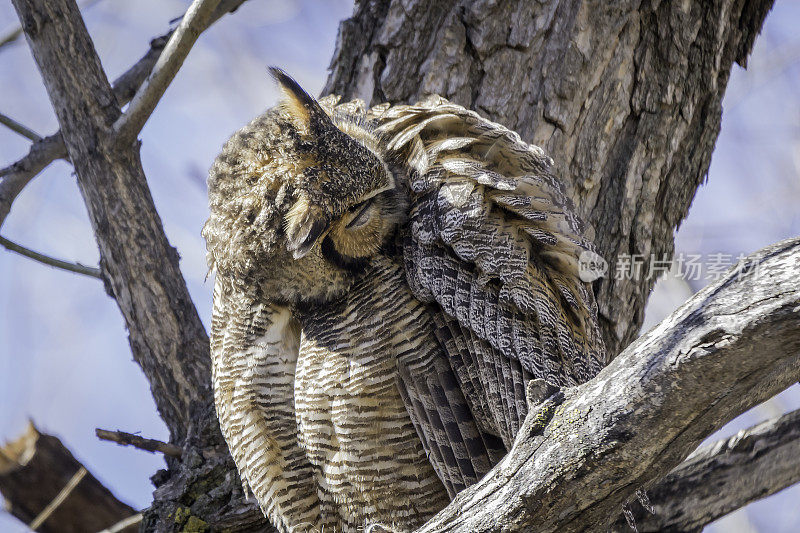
(494,243)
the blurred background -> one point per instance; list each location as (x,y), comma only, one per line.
(65,362)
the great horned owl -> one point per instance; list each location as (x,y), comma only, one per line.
(387,282)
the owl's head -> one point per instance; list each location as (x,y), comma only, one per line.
(301,198)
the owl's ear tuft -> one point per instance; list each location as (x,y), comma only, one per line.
(305,225)
(302,107)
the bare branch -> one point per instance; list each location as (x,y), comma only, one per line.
(146,98)
(37,522)
(122,525)
(10,36)
(721,477)
(15,126)
(129,439)
(733,345)
(47,260)
(15,177)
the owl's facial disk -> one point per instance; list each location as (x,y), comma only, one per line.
(353,236)
(363,229)
(348,202)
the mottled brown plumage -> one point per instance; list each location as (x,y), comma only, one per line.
(387,282)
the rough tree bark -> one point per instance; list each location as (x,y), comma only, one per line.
(625,96)
(140,270)
(722,477)
(139,266)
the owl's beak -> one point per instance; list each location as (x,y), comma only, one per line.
(306,238)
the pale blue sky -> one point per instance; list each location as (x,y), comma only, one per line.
(64,357)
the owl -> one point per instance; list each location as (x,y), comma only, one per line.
(387,282)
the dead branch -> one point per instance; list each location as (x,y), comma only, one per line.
(50,261)
(129,439)
(19,128)
(49,490)
(124,525)
(719,478)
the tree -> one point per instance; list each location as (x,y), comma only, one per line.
(626,98)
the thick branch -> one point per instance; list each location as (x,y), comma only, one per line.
(722,477)
(625,96)
(39,483)
(733,345)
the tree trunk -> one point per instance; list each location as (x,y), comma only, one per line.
(140,268)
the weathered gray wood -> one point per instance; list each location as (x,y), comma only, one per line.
(624,96)
(722,477)
(735,344)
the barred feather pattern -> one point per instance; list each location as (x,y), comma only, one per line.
(370,370)
(254,347)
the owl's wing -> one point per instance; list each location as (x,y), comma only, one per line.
(254,348)
(493,241)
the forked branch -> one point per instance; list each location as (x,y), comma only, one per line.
(196,19)
(14,178)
